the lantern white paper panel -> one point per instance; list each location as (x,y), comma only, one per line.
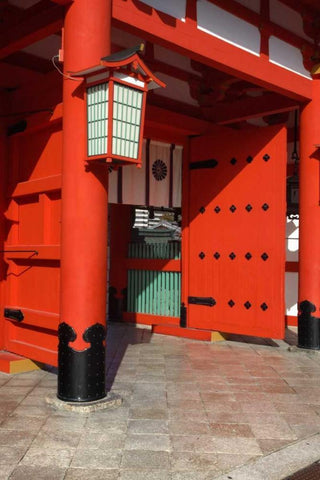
(127,107)
(134,182)
(97,112)
(228,27)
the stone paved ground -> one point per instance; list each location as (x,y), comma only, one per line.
(191,410)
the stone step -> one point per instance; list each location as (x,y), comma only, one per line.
(12,363)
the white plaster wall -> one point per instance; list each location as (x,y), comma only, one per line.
(175,89)
(174,59)
(291,289)
(175,8)
(124,39)
(286,17)
(292,240)
(45,48)
(292,255)
(221,24)
(287,56)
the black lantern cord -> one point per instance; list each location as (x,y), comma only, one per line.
(53,60)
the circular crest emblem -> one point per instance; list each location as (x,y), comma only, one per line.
(159,170)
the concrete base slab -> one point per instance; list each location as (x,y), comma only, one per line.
(110,401)
(296,349)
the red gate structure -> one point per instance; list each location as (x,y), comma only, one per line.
(236,232)
(32,246)
(235,74)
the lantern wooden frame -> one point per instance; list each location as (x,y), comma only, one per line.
(115,97)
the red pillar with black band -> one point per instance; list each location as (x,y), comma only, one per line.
(87,38)
(309,216)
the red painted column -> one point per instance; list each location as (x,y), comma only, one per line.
(309,244)
(84,215)
(3,190)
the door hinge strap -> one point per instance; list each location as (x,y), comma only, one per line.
(211,163)
(13,314)
(207,301)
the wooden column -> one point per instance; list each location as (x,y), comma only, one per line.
(84,215)
(3,207)
(309,245)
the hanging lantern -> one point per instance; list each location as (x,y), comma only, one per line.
(116,102)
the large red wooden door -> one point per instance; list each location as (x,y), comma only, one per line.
(237,231)
(32,247)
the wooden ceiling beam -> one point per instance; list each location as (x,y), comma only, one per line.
(182,124)
(174,105)
(189,41)
(15,76)
(30,62)
(248,107)
(32,28)
(62,2)
(268,27)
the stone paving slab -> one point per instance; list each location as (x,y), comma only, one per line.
(246,409)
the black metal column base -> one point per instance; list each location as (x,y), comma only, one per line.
(81,374)
(308,327)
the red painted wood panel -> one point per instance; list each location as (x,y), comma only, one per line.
(233,223)
(32,280)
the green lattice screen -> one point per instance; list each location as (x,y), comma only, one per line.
(97,108)
(154,293)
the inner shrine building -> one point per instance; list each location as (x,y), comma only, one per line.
(160,166)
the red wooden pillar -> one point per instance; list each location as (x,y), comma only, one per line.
(309,245)
(84,215)
(3,189)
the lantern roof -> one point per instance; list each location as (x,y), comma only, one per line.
(129,59)
(124,54)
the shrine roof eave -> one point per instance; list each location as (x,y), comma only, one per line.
(185,38)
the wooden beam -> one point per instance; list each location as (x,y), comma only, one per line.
(249,107)
(187,40)
(174,105)
(42,94)
(31,29)
(30,62)
(14,76)
(62,2)
(182,124)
